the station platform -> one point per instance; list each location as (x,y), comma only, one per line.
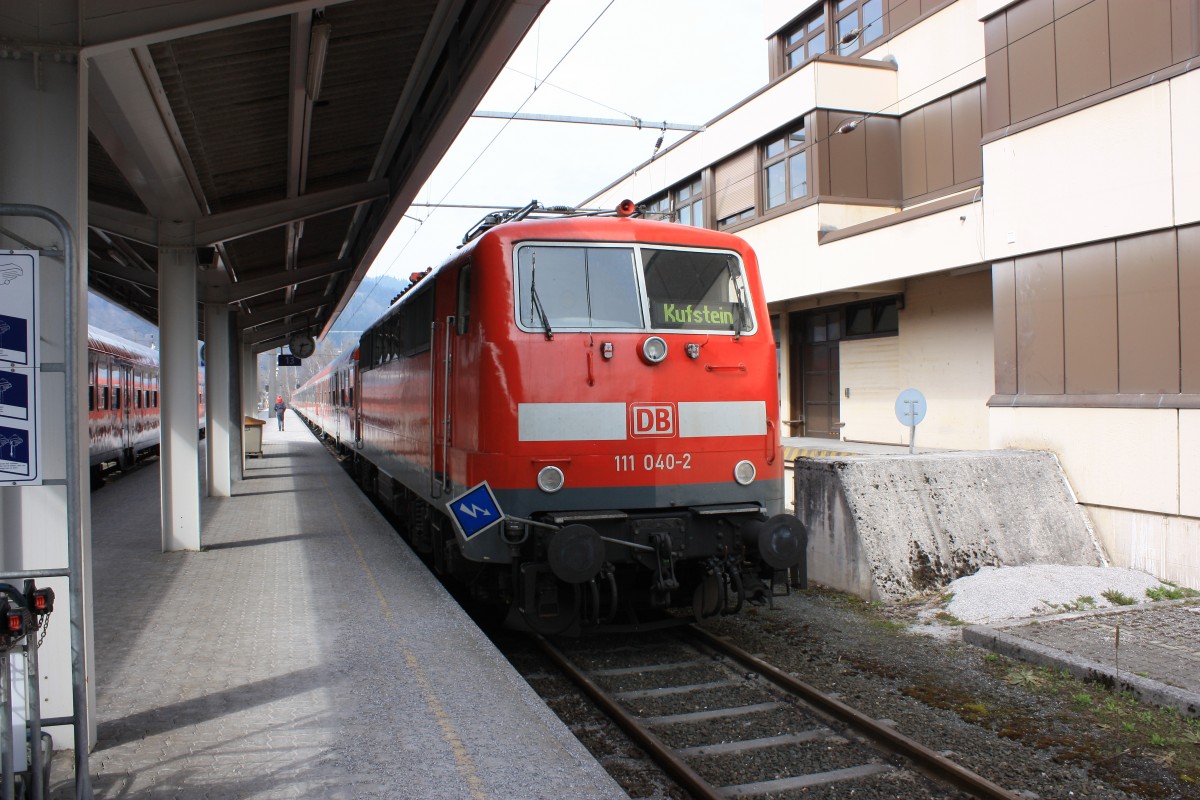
(304,652)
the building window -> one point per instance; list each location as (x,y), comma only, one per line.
(805,39)
(876,318)
(659,208)
(857,23)
(734,219)
(689,203)
(785,167)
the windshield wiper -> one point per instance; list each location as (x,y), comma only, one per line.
(741,301)
(535,302)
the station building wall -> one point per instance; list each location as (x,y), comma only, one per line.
(1022,174)
(943,348)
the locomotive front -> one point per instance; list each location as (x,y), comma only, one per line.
(631,436)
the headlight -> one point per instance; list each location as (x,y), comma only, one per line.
(744,473)
(551,479)
(654,349)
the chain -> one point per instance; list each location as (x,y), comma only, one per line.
(45,627)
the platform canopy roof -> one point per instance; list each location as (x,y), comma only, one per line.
(290,135)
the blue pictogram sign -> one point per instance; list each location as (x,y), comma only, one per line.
(475,511)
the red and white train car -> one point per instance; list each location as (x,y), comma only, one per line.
(123,402)
(613,381)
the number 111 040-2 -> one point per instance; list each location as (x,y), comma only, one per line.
(651,462)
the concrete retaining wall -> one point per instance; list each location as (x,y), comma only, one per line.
(890,527)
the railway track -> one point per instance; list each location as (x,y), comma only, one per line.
(726,724)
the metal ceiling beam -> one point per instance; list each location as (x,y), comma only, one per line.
(246,290)
(129,115)
(231,225)
(110,269)
(265,333)
(106,30)
(127,224)
(224,227)
(267,344)
(279,311)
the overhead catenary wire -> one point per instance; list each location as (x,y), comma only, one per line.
(433,209)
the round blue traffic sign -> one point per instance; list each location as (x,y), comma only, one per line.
(910,407)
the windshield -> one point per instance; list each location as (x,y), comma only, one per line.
(694,290)
(569,287)
(578,287)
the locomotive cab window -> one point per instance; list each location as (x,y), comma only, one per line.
(696,290)
(577,288)
(561,287)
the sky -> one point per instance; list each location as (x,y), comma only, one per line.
(682,61)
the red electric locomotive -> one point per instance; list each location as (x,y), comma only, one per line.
(612,381)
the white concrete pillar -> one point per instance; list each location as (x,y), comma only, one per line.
(250,382)
(179,378)
(217,384)
(233,402)
(43,162)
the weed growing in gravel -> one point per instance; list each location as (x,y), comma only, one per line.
(1080,604)
(946,618)
(1118,598)
(1082,699)
(1170,591)
(1025,676)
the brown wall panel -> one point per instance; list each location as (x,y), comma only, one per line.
(847,160)
(1004,326)
(1032,86)
(967,116)
(1040,324)
(939,145)
(995,34)
(1148,314)
(996,114)
(1185,43)
(902,12)
(1025,18)
(1064,7)
(883,158)
(912,153)
(1189,305)
(1081,52)
(1141,40)
(1090,319)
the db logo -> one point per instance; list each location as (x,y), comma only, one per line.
(652,419)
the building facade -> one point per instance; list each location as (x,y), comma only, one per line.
(995,202)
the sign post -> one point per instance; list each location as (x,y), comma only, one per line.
(910,410)
(20,376)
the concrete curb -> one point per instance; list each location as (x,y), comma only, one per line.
(1147,690)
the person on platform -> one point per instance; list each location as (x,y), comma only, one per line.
(280,407)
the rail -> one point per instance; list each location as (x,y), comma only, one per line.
(674,763)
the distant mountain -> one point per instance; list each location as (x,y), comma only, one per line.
(373,297)
(111,318)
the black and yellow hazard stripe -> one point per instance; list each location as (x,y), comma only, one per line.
(793,453)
